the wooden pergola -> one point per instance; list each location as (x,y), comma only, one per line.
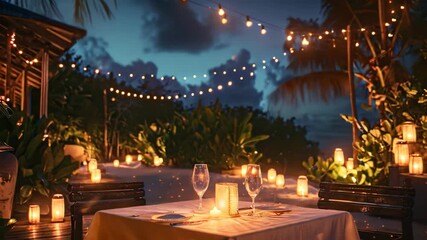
(27,41)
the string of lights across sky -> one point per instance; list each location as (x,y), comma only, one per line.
(296,41)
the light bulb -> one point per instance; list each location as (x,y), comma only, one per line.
(249,23)
(224,19)
(289,38)
(263,30)
(221,11)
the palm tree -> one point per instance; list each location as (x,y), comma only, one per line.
(82,8)
(379,51)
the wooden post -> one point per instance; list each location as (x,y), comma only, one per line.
(382,24)
(44,83)
(352,89)
(105,125)
(8,64)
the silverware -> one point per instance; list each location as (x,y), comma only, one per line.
(188,222)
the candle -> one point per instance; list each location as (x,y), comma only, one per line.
(139,158)
(116,163)
(409,131)
(227,198)
(128,159)
(302,186)
(58,208)
(350,164)
(93,164)
(280,181)
(34,214)
(416,164)
(339,156)
(215,212)
(158,161)
(401,153)
(244,169)
(271,175)
(96,176)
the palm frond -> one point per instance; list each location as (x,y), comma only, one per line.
(312,86)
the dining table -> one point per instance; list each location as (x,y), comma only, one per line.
(291,223)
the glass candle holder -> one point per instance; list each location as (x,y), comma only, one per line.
(116,163)
(271,175)
(92,165)
(128,159)
(350,164)
(34,214)
(339,156)
(302,186)
(280,181)
(409,131)
(58,208)
(227,198)
(416,164)
(96,176)
(401,153)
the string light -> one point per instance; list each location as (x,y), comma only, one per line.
(224,19)
(221,11)
(263,30)
(305,42)
(249,23)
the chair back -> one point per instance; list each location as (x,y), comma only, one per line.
(379,201)
(88,198)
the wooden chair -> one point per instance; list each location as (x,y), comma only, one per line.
(379,201)
(88,198)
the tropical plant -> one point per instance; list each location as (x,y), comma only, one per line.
(82,8)
(42,164)
(209,135)
(379,59)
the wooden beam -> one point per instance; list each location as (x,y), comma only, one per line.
(44,83)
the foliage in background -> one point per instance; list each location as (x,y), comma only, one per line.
(42,164)
(212,135)
(287,144)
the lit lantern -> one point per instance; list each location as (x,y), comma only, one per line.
(271,175)
(227,198)
(128,159)
(244,170)
(139,157)
(350,164)
(92,165)
(58,208)
(401,153)
(409,131)
(34,214)
(280,181)
(158,161)
(116,163)
(339,156)
(215,212)
(416,164)
(302,186)
(96,176)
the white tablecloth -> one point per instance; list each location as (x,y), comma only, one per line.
(301,223)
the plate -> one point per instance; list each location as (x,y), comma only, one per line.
(172,217)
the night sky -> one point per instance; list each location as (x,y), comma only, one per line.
(167,38)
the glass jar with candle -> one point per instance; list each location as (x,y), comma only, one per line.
(416,164)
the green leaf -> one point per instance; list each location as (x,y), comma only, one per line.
(26,191)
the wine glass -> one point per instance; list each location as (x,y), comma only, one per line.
(200,181)
(253,182)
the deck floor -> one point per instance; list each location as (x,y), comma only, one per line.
(44,230)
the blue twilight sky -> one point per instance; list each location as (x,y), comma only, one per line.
(165,37)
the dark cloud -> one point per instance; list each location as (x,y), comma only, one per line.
(94,53)
(241,93)
(174,27)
